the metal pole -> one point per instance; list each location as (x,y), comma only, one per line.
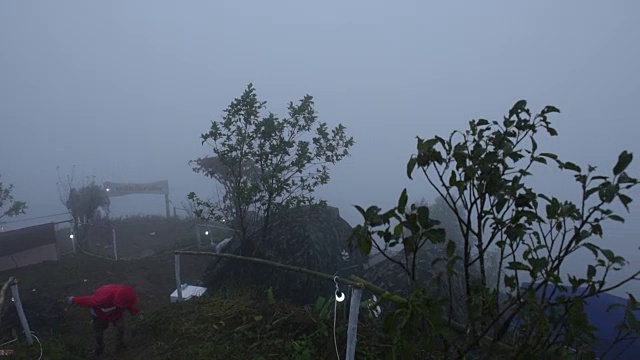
(198,236)
(178,280)
(23,318)
(352,329)
(115,244)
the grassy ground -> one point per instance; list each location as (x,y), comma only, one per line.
(43,288)
(234,324)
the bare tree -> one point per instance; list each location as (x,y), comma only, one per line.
(83,201)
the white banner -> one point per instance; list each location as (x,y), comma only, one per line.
(120,189)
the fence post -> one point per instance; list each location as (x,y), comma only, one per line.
(23,318)
(178,280)
(352,329)
(73,240)
(115,244)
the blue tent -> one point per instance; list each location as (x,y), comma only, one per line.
(605,323)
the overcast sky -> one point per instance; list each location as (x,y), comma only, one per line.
(123,89)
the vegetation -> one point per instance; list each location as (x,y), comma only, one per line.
(13,207)
(481,174)
(82,201)
(478,273)
(265,164)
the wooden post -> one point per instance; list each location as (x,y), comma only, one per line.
(115,244)
(352,329)
(23,318)
(72,237)
(178,280)
(166,204)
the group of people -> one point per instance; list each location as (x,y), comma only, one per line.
(107,307)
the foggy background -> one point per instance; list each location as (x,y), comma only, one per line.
(123,89)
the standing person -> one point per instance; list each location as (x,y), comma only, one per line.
(108,305)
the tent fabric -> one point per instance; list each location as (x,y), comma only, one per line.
(605,323)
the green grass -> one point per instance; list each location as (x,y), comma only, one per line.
(230,326)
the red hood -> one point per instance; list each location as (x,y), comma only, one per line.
(125,297)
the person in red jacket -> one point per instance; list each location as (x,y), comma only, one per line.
(108,305)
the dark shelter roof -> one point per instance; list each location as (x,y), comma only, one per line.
(27,238)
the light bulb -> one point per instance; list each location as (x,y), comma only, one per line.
(339,296)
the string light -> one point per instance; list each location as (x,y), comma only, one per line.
(339,294)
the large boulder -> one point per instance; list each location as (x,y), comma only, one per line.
(312,237)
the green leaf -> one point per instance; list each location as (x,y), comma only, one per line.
(540,160)
(402,201)
(571,166)
(624,159)
(389,323)
(607,192)
(616,218)
(482,122)
(584,234)
(437,235)
(596,229)
(550,156)
(270,298)
(411,165)
(257,317)
(452,179)
(365,243)
(451,248)
(429,144)
(608,254)
(510,281)
(423,217)
(591,272)
(518,107)
(320,301)
(590,192)
(360,210)
(516,265)
(624,178)
(500,204)
(625,200)
(549,109)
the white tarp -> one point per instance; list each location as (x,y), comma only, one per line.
(188,292)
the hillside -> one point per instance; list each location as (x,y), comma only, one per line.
(236,323)
(232,325)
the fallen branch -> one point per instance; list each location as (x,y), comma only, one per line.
(353,280)
(274,264)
